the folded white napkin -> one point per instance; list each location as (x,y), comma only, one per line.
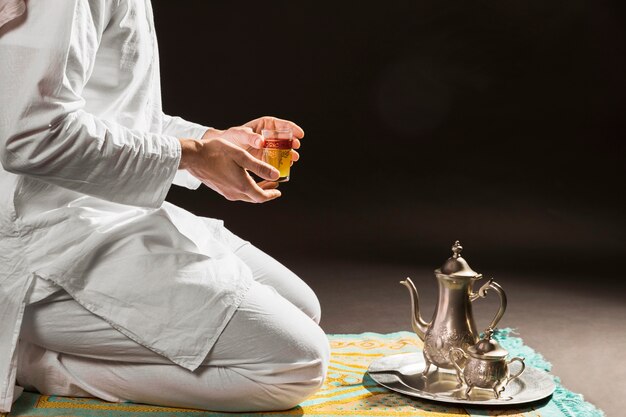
(10,9)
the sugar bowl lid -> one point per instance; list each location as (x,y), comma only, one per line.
(457,265)
(486,348)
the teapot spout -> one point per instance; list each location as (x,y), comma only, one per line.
(419,325)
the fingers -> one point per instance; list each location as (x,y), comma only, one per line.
(251,192)
(260,168)
(254,198)
(286,124)
(267,185)
(268,122)
(294,156)
(244,136)
(260,195)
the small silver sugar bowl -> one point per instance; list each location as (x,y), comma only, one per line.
(486,366)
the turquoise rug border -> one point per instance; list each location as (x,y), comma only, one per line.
(563,403)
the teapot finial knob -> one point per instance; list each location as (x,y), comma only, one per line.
(456,249)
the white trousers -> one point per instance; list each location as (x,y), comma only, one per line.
(271,356)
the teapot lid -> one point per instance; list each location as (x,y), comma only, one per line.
(487,348)
(456,265)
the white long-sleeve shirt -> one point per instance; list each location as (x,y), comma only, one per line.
(87,159)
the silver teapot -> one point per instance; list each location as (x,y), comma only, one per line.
(452,325)
(486,366)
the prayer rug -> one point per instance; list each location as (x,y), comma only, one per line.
(347,391)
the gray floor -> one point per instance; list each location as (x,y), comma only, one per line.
(577,323)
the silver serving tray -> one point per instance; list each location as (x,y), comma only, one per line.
(402,373)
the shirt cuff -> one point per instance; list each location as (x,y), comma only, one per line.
(183,178)
(158,174)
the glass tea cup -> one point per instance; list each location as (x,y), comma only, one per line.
(277,150)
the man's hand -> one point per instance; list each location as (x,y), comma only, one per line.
(222,166)
(268,122)
(249,136)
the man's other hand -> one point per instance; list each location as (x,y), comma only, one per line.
(222,166)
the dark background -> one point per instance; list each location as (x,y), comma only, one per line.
(497,123)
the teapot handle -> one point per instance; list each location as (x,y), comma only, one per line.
(459,372)
(520,360)
(482,293)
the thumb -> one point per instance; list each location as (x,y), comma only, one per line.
(247,137)
(255,140)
